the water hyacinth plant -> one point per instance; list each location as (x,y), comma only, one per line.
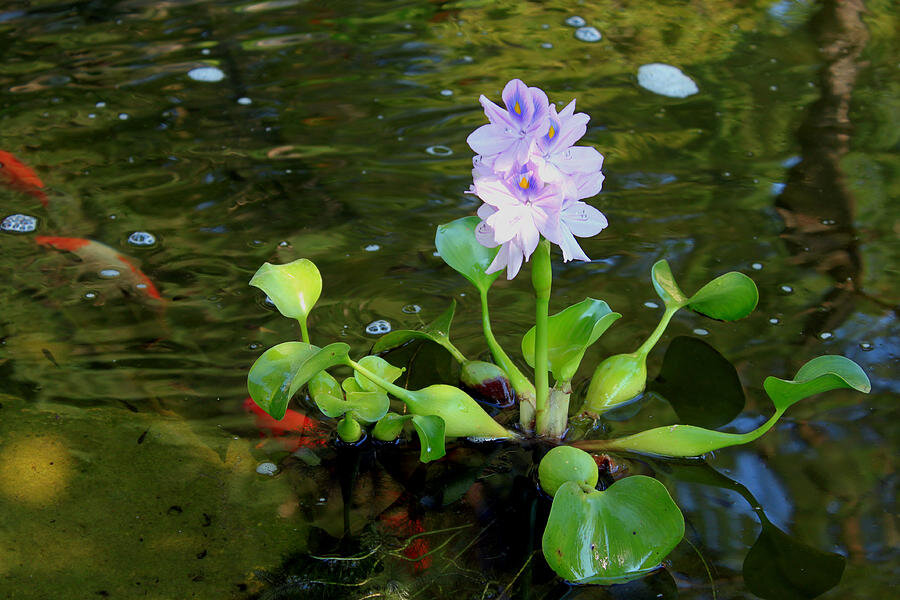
(533,180)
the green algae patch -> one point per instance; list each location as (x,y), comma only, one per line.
(106,501)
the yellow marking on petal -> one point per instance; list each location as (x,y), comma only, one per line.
(551,133)
(517,108)
(523,183)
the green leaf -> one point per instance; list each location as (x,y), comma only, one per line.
(699,383)
(821,374)
(463,417)
(622,533)
(565,463)
(437,331)
(571,333)
(294,287)
(379,367)
(456,243)
(326,393)
(283,369)
(665,286)
(729,297)
(363,405)
(430,430)
(818,375)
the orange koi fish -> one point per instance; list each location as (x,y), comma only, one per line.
(100,256)
(399,523)
(294,431)
(19,177)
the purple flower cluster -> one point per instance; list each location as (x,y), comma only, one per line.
(532,178)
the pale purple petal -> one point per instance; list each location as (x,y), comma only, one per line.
(500,260)
(495,114)
(571,130)
(515,261)
(570,248)
(511,221)
(579,159)
(584,185)
(517,100)
(493,191)
(485,235)
(489,139)
(583,219)
(484,211)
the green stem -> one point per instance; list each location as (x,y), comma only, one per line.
(645,348)
(448,345)
(303,330)
(524,388)
(389,387)
(541,279)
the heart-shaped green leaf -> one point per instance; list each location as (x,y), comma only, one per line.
(611,536)
(283,369)
(571,333)
(665,286)
(438,331)
(294,287)
(429,428)
(699,383)
(380,367)
(463,417)
(456,243)
(729,297)
(821,374)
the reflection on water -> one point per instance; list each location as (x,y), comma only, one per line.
(182,144)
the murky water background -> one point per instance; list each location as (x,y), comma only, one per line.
(240,132)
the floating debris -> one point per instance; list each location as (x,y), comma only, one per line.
(208,74)
(588,34)
(141,238)
(666,80)
(439,150)
(379,327)
(19,223)
(575,21)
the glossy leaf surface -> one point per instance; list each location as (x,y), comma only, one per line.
(456,243)
(379,367)
(616,380)
(571,333)
(283,369)
(701,385)
(729,297)
(463,417)
(821,374)
(430,430)
(438,331)
(614,535)
(565,463)
(666,287)
(294,287)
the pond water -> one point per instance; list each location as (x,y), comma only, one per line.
(192,141)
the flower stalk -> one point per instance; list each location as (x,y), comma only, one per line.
(541,280)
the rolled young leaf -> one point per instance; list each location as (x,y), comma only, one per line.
(665,286)
(438,331)
(565,463)
(429,428)
(616,381)
(571,332)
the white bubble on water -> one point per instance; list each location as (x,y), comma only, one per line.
(267,468)
(379,327)
(756,266)
(439,150)
(866,346)
(101,104)
(700,331)
(208,74)
(19,223)
(205,52)
(588,34)
(123,116)
(109,273)
(244,100)
(546,45)
(446,92)
(774,321)
(373,248)
(90,295)
(666,80)
(141,238)
(575,21)
(786,289)
(411,309)
(651,304)
(826,335)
